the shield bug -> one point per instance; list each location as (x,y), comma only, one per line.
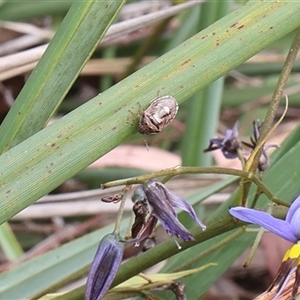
(160,113)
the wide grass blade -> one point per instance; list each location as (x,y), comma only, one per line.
(56,153)
(73,44)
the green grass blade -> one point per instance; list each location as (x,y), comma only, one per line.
(72,143)
(20,11)
(71,47)
(202,121)
(9,244)
(278,178)
(81,31)
(204,107)
(50,270)
(64,262)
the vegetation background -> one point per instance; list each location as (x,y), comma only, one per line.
(105,62)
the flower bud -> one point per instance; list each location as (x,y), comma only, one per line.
(104,267)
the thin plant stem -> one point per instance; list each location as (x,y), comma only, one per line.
(197,170)
(252,163)
(121,210)
(256,241)
(278,93)
(257,193)
(241,157)
(245,185)
(165,250)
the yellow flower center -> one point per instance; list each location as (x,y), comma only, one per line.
(293,253)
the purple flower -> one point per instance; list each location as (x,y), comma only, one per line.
(229,145)
(104,267)
(288,229)
(163,202)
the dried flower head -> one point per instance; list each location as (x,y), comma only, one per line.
(140,210)
(177,288)
(263,163)
(115,198)
(142,228)
(229,145)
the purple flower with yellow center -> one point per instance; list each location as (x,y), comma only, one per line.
(104,267)
(229,145)
(289,229)
(162,202)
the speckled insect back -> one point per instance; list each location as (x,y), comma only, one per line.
(160,113)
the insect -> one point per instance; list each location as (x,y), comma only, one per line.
(160,113)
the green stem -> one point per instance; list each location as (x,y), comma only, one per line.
(278,93)
(286,71)
(252,163)
(167,249)
(196,170)
(257,193)
(256,242)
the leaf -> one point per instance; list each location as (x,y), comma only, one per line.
(82,29)
(59,151)
(138,282)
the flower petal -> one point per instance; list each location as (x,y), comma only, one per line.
(293,209)
(228,154)
(214,144)
(174,200)
(179,202)
(295,223)
(173,226)
(231,144)
(265,220)
(163,210)
(293,216)
(145,231)
(231,133)
(170,222)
